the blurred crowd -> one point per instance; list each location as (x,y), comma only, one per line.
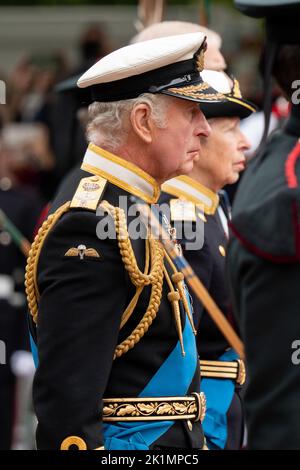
(41,139)
(35,119)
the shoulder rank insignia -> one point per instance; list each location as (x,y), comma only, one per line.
(82,252)
(89,193)
(182,210)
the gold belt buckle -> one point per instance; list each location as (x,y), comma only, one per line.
(241,375)
(201,406)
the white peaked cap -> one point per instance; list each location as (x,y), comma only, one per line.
(233,105)
(142,57)
(218,80)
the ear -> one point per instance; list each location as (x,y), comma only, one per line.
(142,123)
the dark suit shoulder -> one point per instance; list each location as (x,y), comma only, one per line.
(266,210)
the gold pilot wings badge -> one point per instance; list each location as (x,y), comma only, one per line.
(82,252)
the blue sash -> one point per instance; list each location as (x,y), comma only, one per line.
(172,379)
(34,351)
(219,394)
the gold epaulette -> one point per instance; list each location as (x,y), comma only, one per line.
(87,196)
(182,210)
(89,193)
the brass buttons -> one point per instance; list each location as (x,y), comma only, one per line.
(241,379)
(222,250)
(73,441)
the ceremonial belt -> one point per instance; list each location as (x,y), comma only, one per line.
(234,370)
(155,408)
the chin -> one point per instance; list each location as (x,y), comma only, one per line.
(186,168)
(234,178)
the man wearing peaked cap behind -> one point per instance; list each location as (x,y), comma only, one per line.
(264,252)
(117,358)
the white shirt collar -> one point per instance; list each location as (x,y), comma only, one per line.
(121,173)
(223,220)
(187,188)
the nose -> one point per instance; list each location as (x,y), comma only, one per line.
(244,143)
(202,128)
(220,62)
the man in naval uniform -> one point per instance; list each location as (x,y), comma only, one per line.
(117,358)
(264,252)
(201,205)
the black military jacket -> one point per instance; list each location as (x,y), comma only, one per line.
(208,262)
(78,327)
(201,211)
(264,269)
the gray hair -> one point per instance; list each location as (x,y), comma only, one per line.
(108,123)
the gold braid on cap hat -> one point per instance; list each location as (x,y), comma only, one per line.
(199,56)
(236,91)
